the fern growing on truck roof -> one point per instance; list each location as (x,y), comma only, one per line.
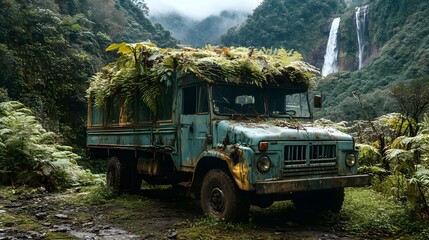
(150,70)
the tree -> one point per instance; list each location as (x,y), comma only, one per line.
(380,135)
(413,100)
(141,5)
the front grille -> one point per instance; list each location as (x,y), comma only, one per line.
(307,160)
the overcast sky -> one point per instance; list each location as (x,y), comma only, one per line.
(200,8)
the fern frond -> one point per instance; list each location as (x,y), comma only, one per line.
(156,65)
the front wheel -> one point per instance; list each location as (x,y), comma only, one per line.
(220,197)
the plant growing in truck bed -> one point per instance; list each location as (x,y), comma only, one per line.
(150,69)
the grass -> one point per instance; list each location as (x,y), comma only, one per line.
(209,228)
(366,212)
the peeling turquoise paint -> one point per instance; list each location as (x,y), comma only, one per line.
(297,151)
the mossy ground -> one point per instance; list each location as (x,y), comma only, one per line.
(157,213)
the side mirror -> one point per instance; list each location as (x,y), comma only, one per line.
(317,101)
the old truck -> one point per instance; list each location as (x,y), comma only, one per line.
(231,142)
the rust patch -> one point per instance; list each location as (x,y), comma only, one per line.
(239,170)
(240,173)
(239,167)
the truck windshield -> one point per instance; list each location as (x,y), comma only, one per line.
(249,100)
(238,99)
(286,103)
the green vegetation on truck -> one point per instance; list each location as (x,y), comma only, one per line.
(222,122)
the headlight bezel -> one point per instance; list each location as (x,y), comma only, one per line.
(263,164)
(350,160)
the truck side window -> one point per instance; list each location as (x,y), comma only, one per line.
(203,100)
(195,100)
(113,110)
(190,100)
(96,115)
(165,107)
(144,114)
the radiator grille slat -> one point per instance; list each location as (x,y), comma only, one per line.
(307,160)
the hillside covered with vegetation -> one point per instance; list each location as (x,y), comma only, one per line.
(49,49)
(292,24)
(399,55)
(196,32)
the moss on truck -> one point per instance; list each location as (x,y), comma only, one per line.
(222,122)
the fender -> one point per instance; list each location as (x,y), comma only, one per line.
(234,158)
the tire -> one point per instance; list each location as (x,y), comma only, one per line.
(122,177)
(220,197)
(321,200)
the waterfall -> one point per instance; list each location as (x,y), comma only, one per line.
(331,56)
(361,20)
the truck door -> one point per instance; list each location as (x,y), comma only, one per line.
(194,125)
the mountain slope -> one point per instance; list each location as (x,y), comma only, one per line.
(400,52)
(49,49)
(292,24)
(198,33)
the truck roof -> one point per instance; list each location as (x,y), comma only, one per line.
(146,67)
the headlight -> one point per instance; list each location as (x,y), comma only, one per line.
(350,160)
(264,164)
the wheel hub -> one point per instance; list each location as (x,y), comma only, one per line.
(217,200)
(111,179)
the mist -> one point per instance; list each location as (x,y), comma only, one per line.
(198,9)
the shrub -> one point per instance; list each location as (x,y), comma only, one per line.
(30,155)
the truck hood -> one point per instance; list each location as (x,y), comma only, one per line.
(251,133)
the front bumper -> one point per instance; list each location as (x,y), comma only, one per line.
(296,185)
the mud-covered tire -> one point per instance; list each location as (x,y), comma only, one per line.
(122,176)
(321,200)
(220,197)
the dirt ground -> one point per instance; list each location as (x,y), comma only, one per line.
(160,213)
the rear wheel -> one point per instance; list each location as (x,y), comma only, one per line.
(220,197)
(122,176)
(321,200)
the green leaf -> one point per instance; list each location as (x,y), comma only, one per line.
(125,49)
(115,46)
